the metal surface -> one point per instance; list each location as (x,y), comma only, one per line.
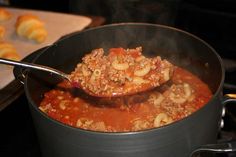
(218,148)
(35,67)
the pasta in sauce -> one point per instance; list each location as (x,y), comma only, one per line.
(121,72)
(184,94)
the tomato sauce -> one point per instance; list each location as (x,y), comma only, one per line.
(180,97)
(121,72)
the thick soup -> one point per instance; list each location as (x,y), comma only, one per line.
(181,96)
(120,72)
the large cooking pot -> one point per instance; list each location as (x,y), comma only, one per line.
(178,139)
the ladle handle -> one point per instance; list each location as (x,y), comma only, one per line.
(34,66)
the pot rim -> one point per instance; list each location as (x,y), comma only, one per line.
(218,91)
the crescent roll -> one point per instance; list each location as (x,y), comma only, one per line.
(8,51)
(2,32)
(31,27)
(4,15)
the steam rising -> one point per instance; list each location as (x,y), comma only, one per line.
(116,11)
(150,11)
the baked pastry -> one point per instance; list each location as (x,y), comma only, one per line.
(8,51)
(31,27)
(4,15)
(2,32)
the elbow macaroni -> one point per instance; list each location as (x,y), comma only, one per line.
(85,71)
(140,58)
(96,74)
(159,99)
(181,99)
(187,90)
(162,118)
(119,66)
(166,74)
(139,80)
(156,98)
(143,71)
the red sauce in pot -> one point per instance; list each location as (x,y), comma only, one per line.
(184,94)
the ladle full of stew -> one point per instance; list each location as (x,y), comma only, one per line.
(120,73)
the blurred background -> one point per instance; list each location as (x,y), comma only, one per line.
(212,20)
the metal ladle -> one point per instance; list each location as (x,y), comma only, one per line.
(67,77)
(35,66)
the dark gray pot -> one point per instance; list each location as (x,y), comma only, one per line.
(178,139)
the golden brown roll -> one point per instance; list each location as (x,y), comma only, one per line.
(31,27)
(4,15)
(8,51)
(2,32)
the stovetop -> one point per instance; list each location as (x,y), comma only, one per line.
(18,137)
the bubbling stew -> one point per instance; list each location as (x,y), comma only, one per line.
(175,99)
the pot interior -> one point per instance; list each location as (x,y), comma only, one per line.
(179,47)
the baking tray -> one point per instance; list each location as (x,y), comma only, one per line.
(56,24)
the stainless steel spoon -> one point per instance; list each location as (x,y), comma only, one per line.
(35,66)
(65,76)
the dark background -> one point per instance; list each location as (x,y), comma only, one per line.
(212,20)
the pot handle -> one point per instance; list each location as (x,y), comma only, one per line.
(217,148)
(220,147)
(228,98)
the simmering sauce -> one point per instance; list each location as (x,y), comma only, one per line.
(180,97)
(179,93)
